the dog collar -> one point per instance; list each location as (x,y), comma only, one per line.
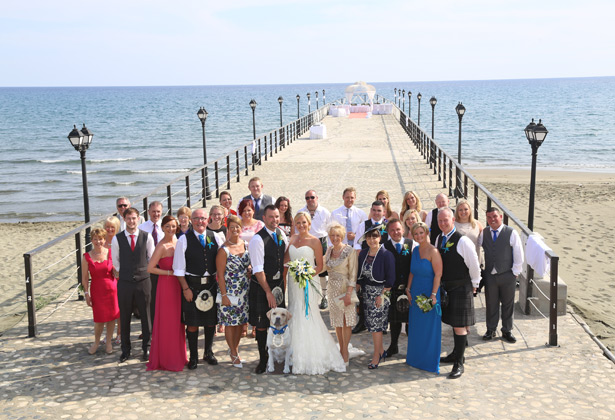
(279,331)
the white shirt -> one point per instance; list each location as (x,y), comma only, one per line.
(467,250)
(179,258)
(356,216)
(402,243)
(115,247)
(320,221)
(430,216)
(149,228)
(515,243)
(256,247)
(361,230)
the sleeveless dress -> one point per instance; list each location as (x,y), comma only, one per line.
(103,289)
(168,348)
(424,329)
(237,284)
(314,351)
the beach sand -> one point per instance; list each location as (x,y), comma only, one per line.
(574,212)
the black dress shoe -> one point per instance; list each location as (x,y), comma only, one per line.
(358,328)
(391,351)
(145,356)
(450,358)
(457,371)
(124,357)
(489,335)
(509,337)
(192,364)
(324,304)
(210,358)
(261,368)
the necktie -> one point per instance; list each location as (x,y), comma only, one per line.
(257,204)
(275,240)
(155,235)
(132,242)
(495,235)
(348,226)
(398,248)
(202,239)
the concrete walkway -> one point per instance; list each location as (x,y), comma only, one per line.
(52,376)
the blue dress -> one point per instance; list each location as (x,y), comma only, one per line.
(424,329)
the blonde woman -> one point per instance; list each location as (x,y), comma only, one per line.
(383,196)
(112,227)
(467,225)
(412,202)
(183,216)
(411,217)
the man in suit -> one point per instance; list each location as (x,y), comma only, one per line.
(460,278)
(267,249)
(259,199)
(503,263)
(121,204)
(152,226)
(130,252)
(194,264)
(348,215)
(401,248)
(431,219)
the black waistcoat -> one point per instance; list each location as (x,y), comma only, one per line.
(274,254)
(434,229)
(402,261)
(455,272)
(384,236)
(199,259)
(133,264)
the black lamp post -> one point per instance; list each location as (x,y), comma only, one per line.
(418,121)
(280,100)
(298,97)
(399,98)
(202,114)
(403,100)
(81,140)
(253,106)
(316,99)
(409,104)
(395,95)
(323,98)
(309,103)
(535,134)
(461,110)
(433,101)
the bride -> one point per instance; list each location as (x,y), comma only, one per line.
(314,351)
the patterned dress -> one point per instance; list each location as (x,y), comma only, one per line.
(342,273)
(237,284)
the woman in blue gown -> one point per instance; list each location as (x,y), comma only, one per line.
(424,328)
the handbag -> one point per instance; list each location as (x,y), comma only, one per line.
(339,300)
(234,299)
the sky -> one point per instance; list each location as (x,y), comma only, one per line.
(235,42)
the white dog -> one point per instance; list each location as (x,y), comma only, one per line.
(278,339)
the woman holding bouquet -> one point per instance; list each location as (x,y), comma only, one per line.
(314,351)
(424,324)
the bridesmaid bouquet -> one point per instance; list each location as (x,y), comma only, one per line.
(424,303)
(301,271)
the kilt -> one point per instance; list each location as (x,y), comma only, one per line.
(258,305)
(460,309)
(394,314)
(193,317)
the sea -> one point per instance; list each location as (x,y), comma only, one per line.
(147,136)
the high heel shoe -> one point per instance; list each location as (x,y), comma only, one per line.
(234,359)
(382,358)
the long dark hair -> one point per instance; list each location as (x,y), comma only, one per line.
(288,215)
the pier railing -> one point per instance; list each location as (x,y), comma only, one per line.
(195,188)
(461,184)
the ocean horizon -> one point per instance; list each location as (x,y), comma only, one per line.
(144,136)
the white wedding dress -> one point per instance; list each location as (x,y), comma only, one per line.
(314,351)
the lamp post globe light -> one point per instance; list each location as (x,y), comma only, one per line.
(316,99)
(433,101)
(535,134)
(395,95)
(399,98)
(202,114)
(409,104)
(280,100)
(403,100)
(309,103)
(253,106)
(461,110)
(323,97)
(81,140)
(418,121)
(298,97)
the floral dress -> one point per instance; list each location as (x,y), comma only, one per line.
(237,284)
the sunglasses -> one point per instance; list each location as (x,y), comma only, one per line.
(310,197)
(122,205)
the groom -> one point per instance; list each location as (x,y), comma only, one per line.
(267,250)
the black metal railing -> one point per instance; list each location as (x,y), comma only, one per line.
(195,188)
(458,187)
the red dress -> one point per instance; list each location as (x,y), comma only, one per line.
(168,349)
(103,290)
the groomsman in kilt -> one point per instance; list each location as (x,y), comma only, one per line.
(431,219)
(401,248)
(194,264)
(460,278)
(268,286)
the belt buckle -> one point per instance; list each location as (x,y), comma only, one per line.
(205,280)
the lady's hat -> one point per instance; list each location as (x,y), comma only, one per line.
(204,301)
(372,228)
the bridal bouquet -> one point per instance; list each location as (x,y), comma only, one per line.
(301,271)
(424,303)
